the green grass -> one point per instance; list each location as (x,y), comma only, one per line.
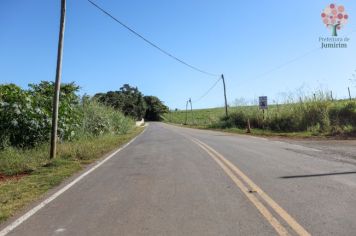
(43,174)
(199,117)
(309,117)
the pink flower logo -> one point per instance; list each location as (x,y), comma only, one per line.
(334,17)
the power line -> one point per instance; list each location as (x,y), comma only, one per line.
(291,61)
(208,91)
(287,63)
(150,43)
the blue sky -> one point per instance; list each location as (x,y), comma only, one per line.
(241,39)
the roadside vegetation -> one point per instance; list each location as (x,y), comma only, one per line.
(28,173)
(88,128)
(133,103)
(309,116)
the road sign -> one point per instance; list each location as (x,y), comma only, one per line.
(263,102)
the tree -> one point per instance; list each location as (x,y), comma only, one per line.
(334,17)
(129,100)
(155,108)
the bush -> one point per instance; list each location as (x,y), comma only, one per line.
(285,122)
(315,113)
(344,115)
(22,122)
(25,115)
(99,119)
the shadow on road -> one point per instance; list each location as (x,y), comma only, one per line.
(317,175)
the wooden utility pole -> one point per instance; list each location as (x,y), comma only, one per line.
(223,79)
(186,112)
(57,82)
(191,109)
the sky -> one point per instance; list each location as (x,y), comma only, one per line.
(266,48)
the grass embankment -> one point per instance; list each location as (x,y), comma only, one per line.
(28,174)
(310,117)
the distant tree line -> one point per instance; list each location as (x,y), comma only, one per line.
(130,101)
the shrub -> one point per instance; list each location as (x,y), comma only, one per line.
(315,113)
(344,115)
(25,115)
(286,122)
(22,122)
(98,119)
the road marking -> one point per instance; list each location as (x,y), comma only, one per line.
(229,168)
(31,212)
(60,230)
(263,210)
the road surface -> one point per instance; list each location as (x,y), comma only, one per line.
(179,181)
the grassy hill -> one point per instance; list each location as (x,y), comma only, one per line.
(309,116)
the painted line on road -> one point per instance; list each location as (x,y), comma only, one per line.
(262,209)
(33,211)
(230,169)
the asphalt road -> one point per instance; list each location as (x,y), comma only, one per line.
(179,181)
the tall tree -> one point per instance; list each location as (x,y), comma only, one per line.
(155,108)
(128,99)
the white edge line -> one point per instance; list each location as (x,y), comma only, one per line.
(31,212)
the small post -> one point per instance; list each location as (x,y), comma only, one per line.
(57,82)
(348,88)
(223,79)
(248,126)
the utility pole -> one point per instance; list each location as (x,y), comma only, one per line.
(57,82)
(191,110)
(223,79)
(348,88)
(186,112)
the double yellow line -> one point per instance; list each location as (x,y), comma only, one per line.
(254,194)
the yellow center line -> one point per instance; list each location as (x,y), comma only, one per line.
(228,167)
(262,209)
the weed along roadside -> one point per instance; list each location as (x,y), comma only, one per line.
(318,117)
(16,193)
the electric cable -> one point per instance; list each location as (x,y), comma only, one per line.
(150,43)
